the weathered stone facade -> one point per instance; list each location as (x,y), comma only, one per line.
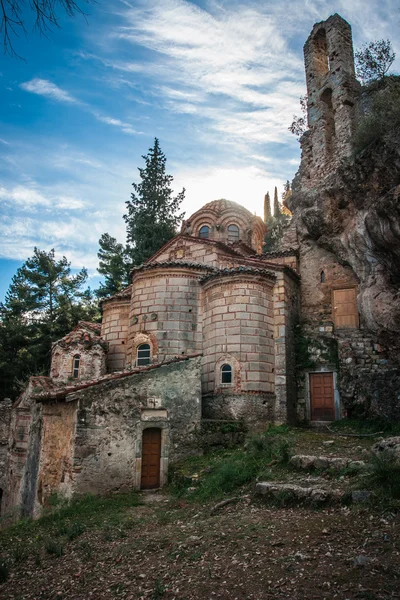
(212,331)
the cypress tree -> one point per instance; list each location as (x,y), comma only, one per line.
(267,207)
(152,213)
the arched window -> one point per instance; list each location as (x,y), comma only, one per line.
(323,277)
(233,233)
(204,232)
(75,366)
(143,355)
(226,374)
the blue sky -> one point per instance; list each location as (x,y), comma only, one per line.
(217,82)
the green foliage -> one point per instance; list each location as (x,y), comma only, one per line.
(382,123)
(383,475)
(43,303)
(374,60)
(113,265)
(277,223)
(372,425)
(299,124)
(152,213)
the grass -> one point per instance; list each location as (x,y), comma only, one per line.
(373,425)
(382,475)
(227,471)
(66,521)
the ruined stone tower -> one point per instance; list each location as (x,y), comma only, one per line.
(332,98)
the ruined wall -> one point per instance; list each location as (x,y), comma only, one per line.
(92,362)
(5,421)
(114,329)
(346,214)
(111,418)
(57,450)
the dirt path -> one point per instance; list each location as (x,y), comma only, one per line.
(245,551)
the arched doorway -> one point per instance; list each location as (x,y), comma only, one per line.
(151,453)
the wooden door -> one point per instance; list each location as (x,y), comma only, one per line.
(151,452)
(345,313)
(322,397)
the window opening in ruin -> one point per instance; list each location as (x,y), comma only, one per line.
(143,355)
(75,369)
(322,277)
(233,233)
(226,374)
(328,114)
(320,53)
(204,232)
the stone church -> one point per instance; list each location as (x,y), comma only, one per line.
(211,329)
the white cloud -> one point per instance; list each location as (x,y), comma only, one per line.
(30,198)
(43,87)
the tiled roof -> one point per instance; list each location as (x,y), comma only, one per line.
(51,391)
(222,205)
(173,263)
(239,271)
(82,336)
(94,327)
(122,295)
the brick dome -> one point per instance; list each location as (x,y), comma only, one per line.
(227,222)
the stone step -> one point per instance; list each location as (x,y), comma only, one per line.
(287,492)
(307,462)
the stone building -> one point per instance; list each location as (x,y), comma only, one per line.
(211,329)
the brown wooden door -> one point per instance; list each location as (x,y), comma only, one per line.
(345,311)
(151,451)
(322,397)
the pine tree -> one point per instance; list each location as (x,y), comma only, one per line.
(43,303)
(267,207)
(113,265)
(277,206)
(152,213)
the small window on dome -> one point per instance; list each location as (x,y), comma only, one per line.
(226,374)
(143,355)
(204,232)
(233,233)
(75,369)
(323,277)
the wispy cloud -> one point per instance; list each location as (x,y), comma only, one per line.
(30,198)
(43,87)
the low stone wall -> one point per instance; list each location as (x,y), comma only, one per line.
(256,410)
(223,434)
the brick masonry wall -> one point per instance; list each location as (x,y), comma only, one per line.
(166,308)
(238,323)
(114,329)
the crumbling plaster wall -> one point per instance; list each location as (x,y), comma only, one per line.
(111,418)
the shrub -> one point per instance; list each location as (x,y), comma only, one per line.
(383,474)
(382,123)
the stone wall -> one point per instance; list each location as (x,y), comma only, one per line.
(5,420)
(92,362)
(114,329)
(112,416)
(286,317)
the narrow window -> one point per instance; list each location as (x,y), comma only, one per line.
(233,233)
(204,232)
(143,355)
(75,369)
(322,277)
(320,53)
(226,374)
